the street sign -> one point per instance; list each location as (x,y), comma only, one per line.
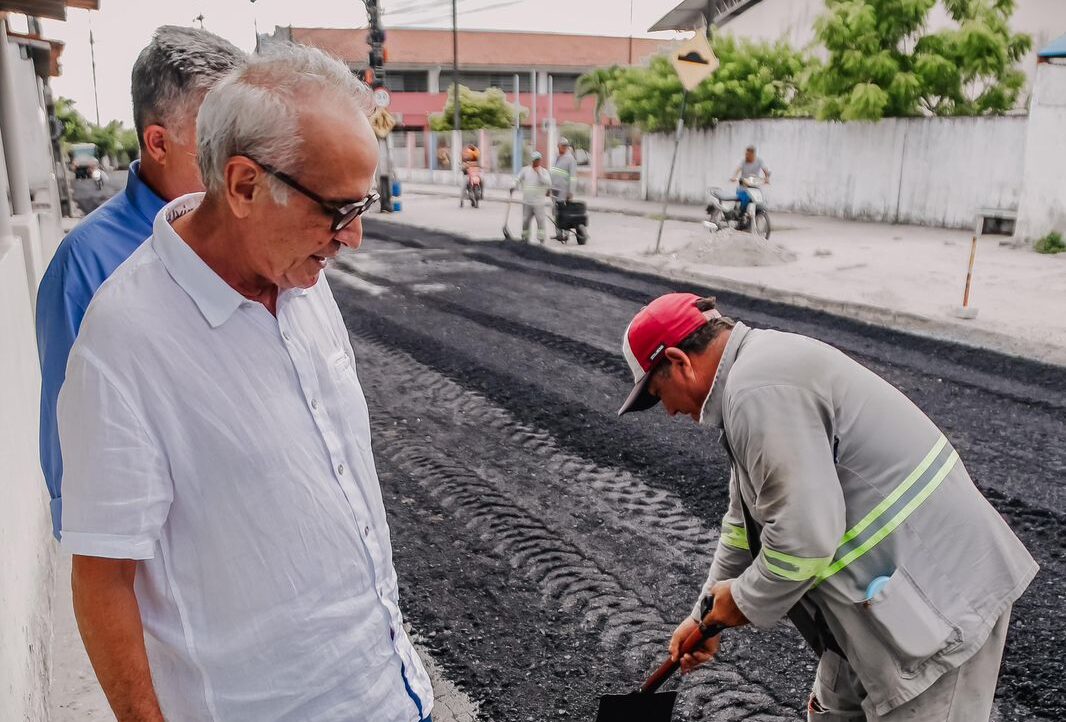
(381,98)
(694,60)
(382,122)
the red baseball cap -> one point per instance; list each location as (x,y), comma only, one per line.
(665,322)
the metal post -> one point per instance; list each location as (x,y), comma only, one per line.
(12,132)
(533,117)
(670,177)
(92,57)
(516,141)
(456,122)
(553,133)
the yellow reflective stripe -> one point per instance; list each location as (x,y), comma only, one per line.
(899,491)
(799,569)
(734,536)
(894,522)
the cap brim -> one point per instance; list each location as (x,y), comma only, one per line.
(639,399)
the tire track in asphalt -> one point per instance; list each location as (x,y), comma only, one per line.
(1032,683)
(627,625)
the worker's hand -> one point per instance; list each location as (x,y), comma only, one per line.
(725,610)
(701,654)
(734,179)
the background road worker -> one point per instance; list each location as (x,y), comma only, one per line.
(849,511)
(563,175)
(535,183)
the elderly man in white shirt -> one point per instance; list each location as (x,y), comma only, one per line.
(232,557)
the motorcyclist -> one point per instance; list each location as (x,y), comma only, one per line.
(563,173)
(470,160)
(751,167)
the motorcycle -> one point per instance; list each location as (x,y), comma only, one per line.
(472,190)
(754,218)
(97,176)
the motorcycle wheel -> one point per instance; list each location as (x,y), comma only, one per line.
(474,199)
(762,225)
(582,235)
(715,216)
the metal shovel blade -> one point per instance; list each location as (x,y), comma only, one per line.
(637,707)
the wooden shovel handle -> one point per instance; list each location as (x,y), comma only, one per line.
(705,630)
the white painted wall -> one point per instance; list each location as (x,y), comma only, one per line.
(929,171)
(1043,200)
(27,554)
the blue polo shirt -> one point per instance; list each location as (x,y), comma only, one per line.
(84,260)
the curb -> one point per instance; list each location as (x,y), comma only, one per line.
(916,324)
(591,207)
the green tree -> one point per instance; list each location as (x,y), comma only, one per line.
(882,63)
(75,127)
(753,80)
(477,110)
(107,138)
(128,143)
(599,84)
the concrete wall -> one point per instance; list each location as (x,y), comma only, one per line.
(1043,200)
(929,171)
(26,547)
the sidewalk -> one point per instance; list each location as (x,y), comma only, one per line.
(908,277)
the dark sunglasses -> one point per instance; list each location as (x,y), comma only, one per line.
(343,212)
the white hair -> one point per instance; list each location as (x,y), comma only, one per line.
(255,110)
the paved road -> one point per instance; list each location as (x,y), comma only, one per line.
(546,548)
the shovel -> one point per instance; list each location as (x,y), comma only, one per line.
(507,217)
(645,705)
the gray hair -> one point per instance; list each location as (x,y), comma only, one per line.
(255,110)
(173,72)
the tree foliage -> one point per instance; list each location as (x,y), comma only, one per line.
(477,110)
(113,139)
(598,84)
(882,64)
(754,80)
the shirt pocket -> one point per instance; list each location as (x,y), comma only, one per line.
(912,629)
(356,418)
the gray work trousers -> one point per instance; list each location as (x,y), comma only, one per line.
(961,695)
(529,212)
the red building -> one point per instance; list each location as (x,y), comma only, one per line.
(419,65)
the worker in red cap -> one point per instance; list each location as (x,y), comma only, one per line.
(849,512)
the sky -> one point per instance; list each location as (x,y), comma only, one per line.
(122,27)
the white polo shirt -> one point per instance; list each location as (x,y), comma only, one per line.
(229,450)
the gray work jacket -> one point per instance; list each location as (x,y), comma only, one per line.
(850,481)
(563,173)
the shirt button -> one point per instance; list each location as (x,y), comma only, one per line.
(340,469)
(285,335)
(314,403)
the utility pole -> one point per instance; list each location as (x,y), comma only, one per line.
(376,40)
(457,123)
(92,57)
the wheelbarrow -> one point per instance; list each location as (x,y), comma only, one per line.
(647,704)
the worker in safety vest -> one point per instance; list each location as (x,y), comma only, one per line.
(563,174)
(849,512)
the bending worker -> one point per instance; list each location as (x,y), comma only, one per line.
(563,173)
(535,184)
(849,511)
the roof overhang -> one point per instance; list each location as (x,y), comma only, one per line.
(692,14)
(54,9)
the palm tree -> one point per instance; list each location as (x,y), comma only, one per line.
(598,83)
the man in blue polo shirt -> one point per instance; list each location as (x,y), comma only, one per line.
(170,78)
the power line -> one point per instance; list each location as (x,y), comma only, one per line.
(465,12)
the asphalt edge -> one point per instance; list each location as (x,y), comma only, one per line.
(916,324)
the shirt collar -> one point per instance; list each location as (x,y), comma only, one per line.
(712,405)
(215,298)
(142,198)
